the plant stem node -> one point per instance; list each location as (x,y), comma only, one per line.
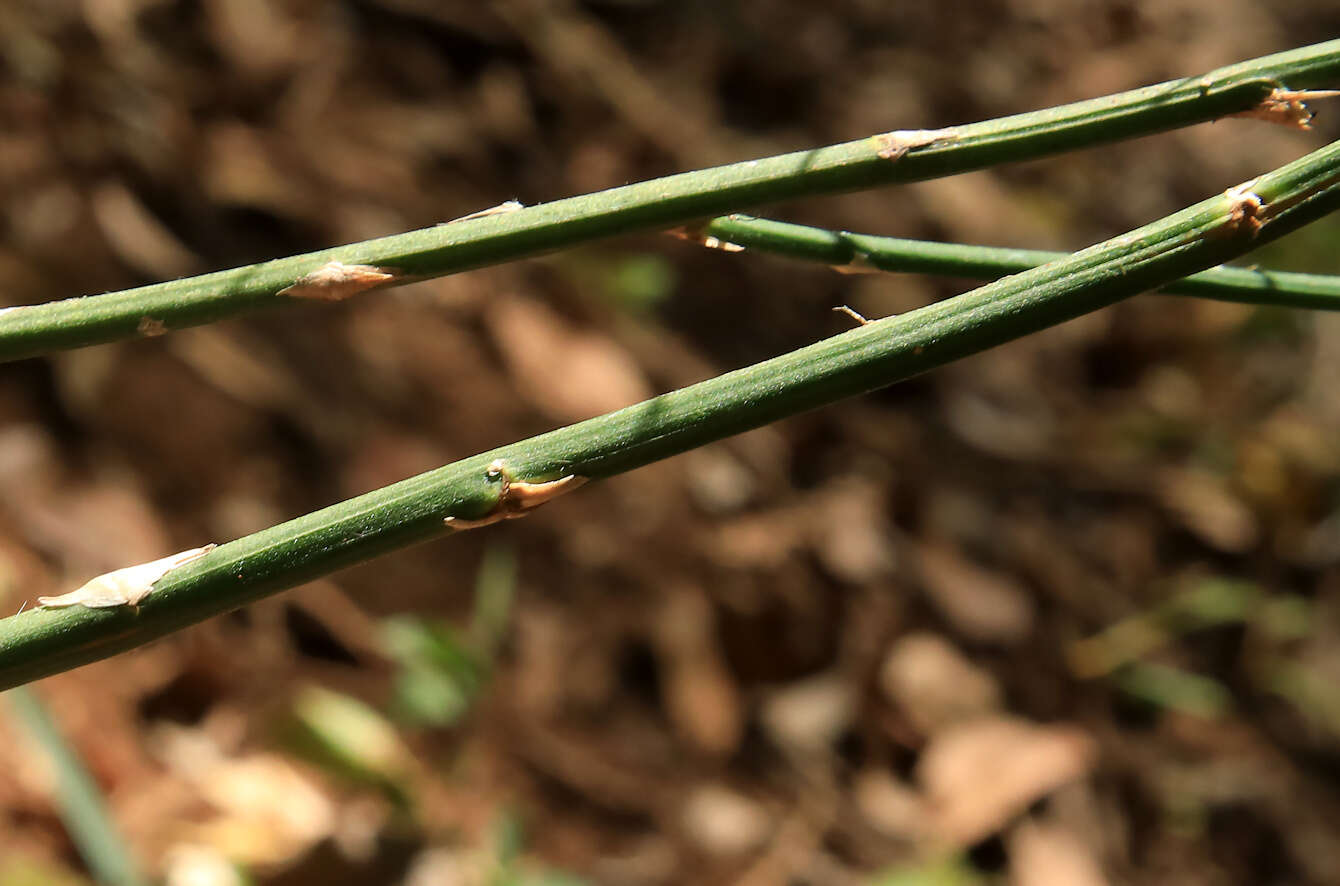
(1248,209)
(517,497)
(893,145)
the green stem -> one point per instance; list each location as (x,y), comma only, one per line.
(674,200)
(36,643)
(846,250)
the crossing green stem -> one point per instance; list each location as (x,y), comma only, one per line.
(36,643)
(850,252)
(674,200)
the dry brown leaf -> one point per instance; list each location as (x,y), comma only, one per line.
(763,540)
(719,482)
(724,822)
(266,810)
(138,237)
(568,373)
(979,775)
(94,527)
(701,699)
(934,684)
(1044,855)
(809,715)
(853,538)
(1206,507)
(241,166)
(981,605)
(890,806)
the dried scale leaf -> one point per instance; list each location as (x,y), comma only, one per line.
(695,234)
(852,313)
(501,209)
(1285,107)
(725,246)
(124,587)
(859,264)
(336,281)
(1248,208)
(151,327)
(893,145)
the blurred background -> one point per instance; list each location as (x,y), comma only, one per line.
(1064,613)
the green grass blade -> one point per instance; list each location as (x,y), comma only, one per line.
(80,802)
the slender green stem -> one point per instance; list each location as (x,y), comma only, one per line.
(674,200)
(848,251)
(36,643)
